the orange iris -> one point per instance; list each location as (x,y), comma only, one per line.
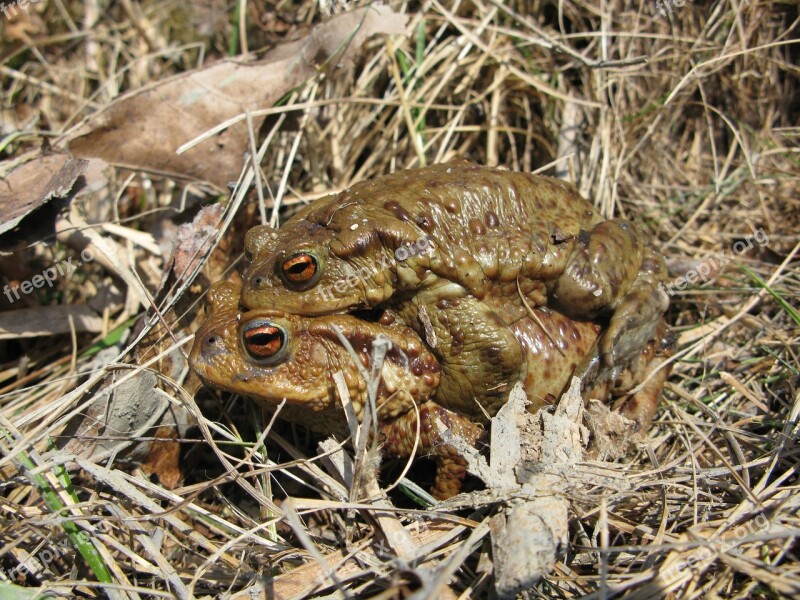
(300,268)
(264,341)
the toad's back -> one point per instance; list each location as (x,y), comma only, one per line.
(492,216)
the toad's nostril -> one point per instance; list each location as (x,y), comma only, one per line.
(212,340)
(258,280)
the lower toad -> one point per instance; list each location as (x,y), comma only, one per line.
(270,356)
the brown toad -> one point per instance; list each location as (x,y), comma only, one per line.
(271,356)
(461,252)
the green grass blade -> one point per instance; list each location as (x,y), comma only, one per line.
(111,338)
(79,538)
(786,306)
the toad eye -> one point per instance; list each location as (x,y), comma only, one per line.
(264,341)
(301,268)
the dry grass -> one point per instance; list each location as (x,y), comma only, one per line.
(686,123)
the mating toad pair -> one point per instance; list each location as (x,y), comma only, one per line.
(520,281)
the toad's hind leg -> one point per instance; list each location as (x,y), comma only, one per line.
(637,384)
(612,272)
(481,358)
(636,316)
(436,425)
(640,407)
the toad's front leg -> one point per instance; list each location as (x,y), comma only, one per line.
(436,424)
(481,358)
(612,272)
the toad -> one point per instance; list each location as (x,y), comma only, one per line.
(461,252)
(273,356)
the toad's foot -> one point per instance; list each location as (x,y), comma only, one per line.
(637,314)
(636,383)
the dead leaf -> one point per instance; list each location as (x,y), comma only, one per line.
(48,320)
(33,184)
(164,458)
(109,424)
(614,435)
(118,419)
(145,128)
(527,540)
(192,243)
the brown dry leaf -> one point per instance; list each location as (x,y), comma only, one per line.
(193,241)
(31,185)
(132,419)
(145,128)
(20,24)
(48,320)
(115,417)
(164,458)
(614,435)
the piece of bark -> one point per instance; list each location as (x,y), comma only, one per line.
(48,320)
(35,183)
(530,535)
